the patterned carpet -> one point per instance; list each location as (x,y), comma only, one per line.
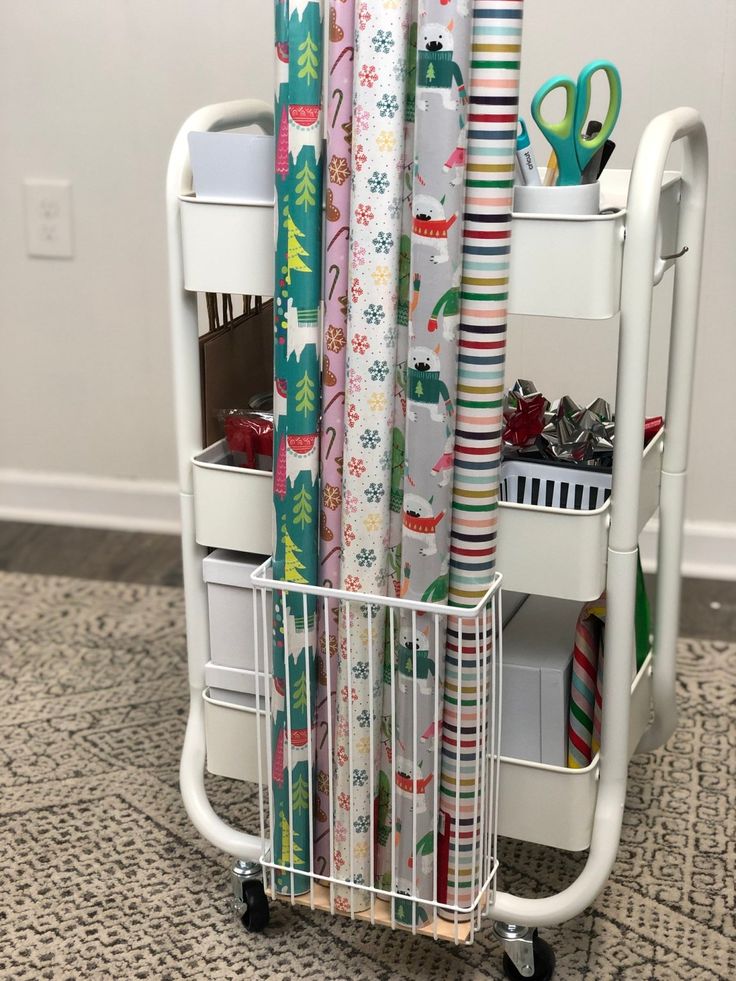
(102,875)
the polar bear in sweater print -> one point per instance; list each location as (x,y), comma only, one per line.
(437,68)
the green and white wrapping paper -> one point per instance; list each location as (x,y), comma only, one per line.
(298,278)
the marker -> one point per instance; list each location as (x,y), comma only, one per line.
(525,158)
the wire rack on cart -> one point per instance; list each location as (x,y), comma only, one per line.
(480,630)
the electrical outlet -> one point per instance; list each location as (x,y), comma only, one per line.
(48,218)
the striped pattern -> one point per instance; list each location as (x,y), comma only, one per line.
(494,94)
(584,690)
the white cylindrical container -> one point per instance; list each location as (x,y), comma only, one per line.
(580,199)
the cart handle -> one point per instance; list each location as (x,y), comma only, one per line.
(640,265)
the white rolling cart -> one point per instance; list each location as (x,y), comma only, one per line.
(604,265)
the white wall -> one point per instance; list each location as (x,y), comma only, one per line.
(94,91)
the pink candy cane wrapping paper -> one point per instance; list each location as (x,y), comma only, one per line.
(338,121)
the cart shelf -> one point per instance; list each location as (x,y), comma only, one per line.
(561,265)
(561,552)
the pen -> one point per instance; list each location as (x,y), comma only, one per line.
(525,158)
(553,170)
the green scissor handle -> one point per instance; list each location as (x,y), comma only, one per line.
(574,153)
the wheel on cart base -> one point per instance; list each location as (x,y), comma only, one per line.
(256,915)
(544,963)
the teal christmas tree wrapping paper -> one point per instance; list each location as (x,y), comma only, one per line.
(297,325)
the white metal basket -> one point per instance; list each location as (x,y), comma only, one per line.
(446,920)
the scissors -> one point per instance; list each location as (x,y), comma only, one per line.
(573,151)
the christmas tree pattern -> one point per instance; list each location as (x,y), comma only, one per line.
(294,567)
(295,250)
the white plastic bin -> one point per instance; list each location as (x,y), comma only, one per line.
(231,621)
(553,805)
(559,552)
(230,722)
(570,265)
(537,668)
(228,246)
(232,505)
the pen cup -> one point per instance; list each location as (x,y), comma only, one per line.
(579,199)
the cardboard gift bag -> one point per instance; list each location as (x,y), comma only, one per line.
(235,359)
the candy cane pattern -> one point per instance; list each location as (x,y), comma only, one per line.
(334,342)
(494,94)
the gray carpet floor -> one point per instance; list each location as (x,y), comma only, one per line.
(102,875)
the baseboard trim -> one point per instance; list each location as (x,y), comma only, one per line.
(709,549)
(90,502)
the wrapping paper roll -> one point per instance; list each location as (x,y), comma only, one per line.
(586,685)
(494,93)
(383,873)
(375,229)
(334,343)
(443,56)
(298,272)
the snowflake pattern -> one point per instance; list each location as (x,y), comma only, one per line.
(360,778)
(366,557)
(377,403)
(383,41)
(355,382)
(377,186)
(364,214)
(361,824)
(388,106)
(344,801)
(383,242)
(371,522)
(373,493)
(378,182)
(385,141)
(356,467)
(378,370)
(368,76)
(370,439)
(360,343)
(374,314)
(381,275)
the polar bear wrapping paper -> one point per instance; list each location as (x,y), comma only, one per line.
(381,31)
(494,98)
(298,280)
(443,56)
(332,432)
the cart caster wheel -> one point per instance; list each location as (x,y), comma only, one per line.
(544,963)
(256,915)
